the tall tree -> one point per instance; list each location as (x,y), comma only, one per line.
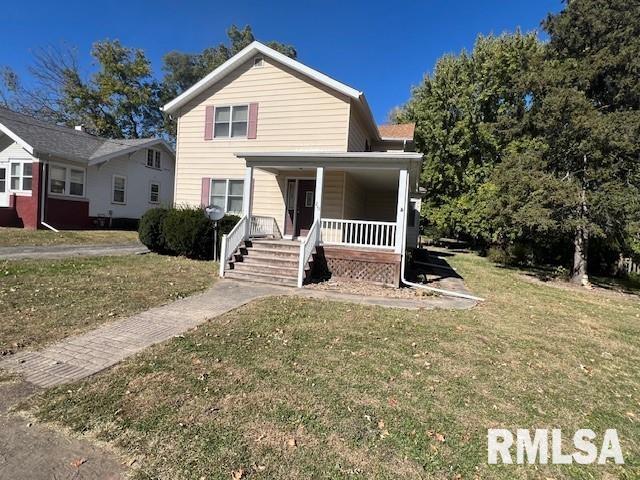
(590,116)
(466,113)
(121,99)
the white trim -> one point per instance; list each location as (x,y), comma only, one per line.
(113,187)
(151,184)
(16,138)
(231,107)
(238,59)
(133,149)
(67,181)
(21,161)
(227,181)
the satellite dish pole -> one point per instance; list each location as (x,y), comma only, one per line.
(214,213)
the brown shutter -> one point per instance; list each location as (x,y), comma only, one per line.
(204,192)
(252,129)
(208,122)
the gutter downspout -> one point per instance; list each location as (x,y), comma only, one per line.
(43,193)
(441,291)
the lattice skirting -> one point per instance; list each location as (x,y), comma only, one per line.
(375,267)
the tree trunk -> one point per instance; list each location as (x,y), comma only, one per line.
(579,274)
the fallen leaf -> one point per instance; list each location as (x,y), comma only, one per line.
(237,474)
(77,462)
(292,443)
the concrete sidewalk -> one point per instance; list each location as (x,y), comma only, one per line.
(83,355)
(65,251)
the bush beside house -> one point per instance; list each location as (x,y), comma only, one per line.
(182,231)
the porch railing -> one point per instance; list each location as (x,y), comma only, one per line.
(230,242)
(358,233)
(306,249)
(264,227)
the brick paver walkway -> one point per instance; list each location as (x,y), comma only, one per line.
(83,355)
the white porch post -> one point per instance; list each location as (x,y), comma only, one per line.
(317,212)
(247,199)
(401,210)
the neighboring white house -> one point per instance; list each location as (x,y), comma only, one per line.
(68,178)
(297,155)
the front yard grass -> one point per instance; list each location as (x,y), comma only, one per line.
(20,237)
(46,300)
(299,388)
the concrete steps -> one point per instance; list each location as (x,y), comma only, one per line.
(266,261)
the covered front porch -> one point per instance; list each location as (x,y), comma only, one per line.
(346,204)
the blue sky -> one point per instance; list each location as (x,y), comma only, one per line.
(380,47)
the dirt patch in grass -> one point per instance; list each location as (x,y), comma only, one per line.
(19,237)
(369,392)
(46,300)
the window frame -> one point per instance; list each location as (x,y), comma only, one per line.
(227,191)
(156,159)
(113,189)
(21,162)
(67,181)
(230,123)
(151,184)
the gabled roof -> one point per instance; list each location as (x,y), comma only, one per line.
(401,131)
(42,138)
(254,48)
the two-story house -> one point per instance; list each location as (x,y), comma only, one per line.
(299,157)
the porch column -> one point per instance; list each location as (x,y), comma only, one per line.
(247,199)
(401,210)
(317,211)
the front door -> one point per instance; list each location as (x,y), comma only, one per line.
(305,207)
(4,188)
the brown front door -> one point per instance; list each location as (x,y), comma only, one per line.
(305,206)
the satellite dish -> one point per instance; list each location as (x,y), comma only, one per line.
(214,212)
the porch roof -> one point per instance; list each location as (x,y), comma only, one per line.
(385,160)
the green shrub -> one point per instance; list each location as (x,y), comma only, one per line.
(189,232)
(151,230)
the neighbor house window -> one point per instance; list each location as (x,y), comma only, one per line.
(153,158)
(21,176)
(227,194)
(119,194)
(231,121)
(66,181)
(154,193)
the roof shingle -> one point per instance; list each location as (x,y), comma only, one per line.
(64,142)
(401,131)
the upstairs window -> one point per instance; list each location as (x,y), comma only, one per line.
(227,194)
(154,158)
(21,176)
(231,121)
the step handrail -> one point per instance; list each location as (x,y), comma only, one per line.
(306,249)
(231,241)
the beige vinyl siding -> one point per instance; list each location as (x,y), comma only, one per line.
(354,199)
(294,113)
(358,135)
(381,206)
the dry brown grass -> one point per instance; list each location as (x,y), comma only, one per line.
(295,388)
(46,300)
(19,237)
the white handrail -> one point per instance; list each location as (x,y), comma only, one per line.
(306,249)
(264,226)
(358,233)
(230,242)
